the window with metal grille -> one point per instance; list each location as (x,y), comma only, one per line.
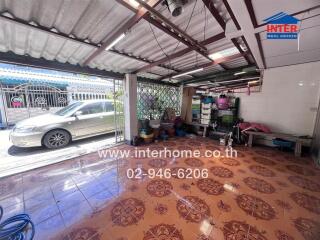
(153,99)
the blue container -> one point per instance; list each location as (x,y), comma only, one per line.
(208,100)
(180,133)
(282,143)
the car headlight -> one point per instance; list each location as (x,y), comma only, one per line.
(24,129)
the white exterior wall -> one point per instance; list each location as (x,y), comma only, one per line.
(130,107)
(288,101)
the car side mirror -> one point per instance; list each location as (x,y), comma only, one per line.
(78,113)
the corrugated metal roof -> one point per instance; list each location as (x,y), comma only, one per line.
(148,75)
(140,41)
(238,62)
(160,71)
(115,62)
(202,24)
(95,20)
(24,40)
(208,70)
(86,19)
(189,60)
(181,78)
(219,45)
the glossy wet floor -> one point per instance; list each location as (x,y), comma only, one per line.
(262,194)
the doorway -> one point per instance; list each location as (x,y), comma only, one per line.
(33,98)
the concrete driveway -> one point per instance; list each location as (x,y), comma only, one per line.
(15,160)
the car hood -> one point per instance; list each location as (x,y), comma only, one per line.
(41,120)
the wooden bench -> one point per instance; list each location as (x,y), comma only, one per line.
(299,142)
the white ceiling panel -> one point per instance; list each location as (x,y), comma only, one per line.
(264,9)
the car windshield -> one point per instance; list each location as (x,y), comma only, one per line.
(68,109)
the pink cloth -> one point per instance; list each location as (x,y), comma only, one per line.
(257,126)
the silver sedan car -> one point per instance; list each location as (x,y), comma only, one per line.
(79,120)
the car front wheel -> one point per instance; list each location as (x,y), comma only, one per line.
(56,139)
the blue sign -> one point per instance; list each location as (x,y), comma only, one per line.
(282,26)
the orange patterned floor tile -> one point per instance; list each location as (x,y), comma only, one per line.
(260,194)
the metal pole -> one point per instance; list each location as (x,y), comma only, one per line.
(4,103)
(115,111)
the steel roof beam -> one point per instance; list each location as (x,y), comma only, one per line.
(226,83)
(76,40)
(231,14)
(219,79)
(169,31)
(237,45)
(148,80)
(244,14)
(215,13)
(168,27)
(181,52)
(44,29)
(12,58)
(210,77)
(247,78)
(142,13)
(251,13)
(216,62)
(232,87)
(174,29)
(123,29)
(142,59)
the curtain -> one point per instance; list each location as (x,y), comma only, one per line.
(186,108)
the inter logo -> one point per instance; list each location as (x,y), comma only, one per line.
(282,26)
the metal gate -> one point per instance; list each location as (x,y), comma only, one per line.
(28,100)
(18,102)
(118,94)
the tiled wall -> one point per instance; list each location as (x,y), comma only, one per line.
(288,101)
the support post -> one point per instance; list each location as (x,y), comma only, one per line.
(3,104)
(250,141)
(297,149)
(130,107)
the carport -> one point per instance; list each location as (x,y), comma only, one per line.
(206,47)
(196,75)
(103,39)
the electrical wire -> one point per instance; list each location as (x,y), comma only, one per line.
(175,49)
(194,6)
(16,227)
(155,37)
(205,22)
(204,32)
